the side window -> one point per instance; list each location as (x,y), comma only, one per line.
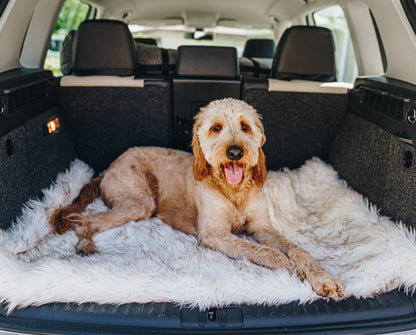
(3,4)
(72,14)
(409,7)
(333,18)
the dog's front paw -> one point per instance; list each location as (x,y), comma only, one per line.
(326,285)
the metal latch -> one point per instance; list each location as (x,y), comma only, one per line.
(213,318)
(212,314)
(411,115)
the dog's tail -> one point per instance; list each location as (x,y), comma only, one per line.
(60,219)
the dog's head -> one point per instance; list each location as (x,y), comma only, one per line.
(227,141)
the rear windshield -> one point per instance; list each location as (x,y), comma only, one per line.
(172,36)
(334,19)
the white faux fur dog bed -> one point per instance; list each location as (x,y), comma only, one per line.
(148,261)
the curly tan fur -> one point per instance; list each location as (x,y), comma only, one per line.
(213,194)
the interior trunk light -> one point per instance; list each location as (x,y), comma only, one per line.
(53,126)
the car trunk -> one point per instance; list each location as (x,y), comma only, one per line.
(370,148)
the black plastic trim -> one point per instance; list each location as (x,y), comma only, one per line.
(38,90)
(388,91)
(389,312)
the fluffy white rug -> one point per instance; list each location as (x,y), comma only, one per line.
(150,262)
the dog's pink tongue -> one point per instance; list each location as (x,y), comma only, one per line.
(233,173)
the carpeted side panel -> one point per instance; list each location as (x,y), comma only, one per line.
(30,159)
(359,155)
(298,126)
(47,154)
(14,181)
(105,121)
(399,198)
(371,161)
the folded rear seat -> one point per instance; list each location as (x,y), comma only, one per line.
(301,103)
(255,67)
(66,53)
(257,58)
(155,61)
(107,108)
(144,40)
(203,74)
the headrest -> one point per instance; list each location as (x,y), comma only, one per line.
(207,62)
(259,48)
(66,52)
(143,40)
(305,52)
(104,47)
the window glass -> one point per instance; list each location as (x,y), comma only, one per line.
(172,36)
(409,7)
(72,14)
(333,18)
(3,4)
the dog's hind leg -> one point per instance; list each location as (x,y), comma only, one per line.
(131,192)
(118,215)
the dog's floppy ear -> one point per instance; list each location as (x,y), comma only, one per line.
(200,164)
(260,126)
(259,171)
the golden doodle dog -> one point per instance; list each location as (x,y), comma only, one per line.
(214,194)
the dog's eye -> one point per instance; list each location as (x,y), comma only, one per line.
(244,127)
(216,128)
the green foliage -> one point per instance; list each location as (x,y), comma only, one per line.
(72,14)
(52,63)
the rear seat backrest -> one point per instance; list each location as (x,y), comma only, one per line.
(301,104)
(203,74)
(257,58)
(255,67)
(106,107)
(144,40)
(155,61)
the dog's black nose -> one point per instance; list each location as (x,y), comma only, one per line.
(234,152)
